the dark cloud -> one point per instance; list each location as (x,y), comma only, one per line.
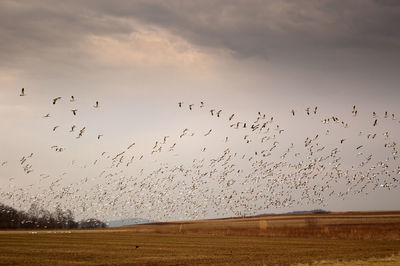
(261,28)
(36,32)
(247,28)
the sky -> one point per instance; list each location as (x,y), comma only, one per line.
(138,59)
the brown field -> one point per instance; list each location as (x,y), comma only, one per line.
(358,238)
(339,225)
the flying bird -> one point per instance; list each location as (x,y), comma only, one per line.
(130,146)
(22,92)
(74,111)
(96,105)
(81,132)
(56,99)
(72,99)
(208,133)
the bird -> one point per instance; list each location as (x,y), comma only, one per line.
(218,113)
(81,132)
(130,146)
(342,140)
(72,128)
(99,136)
(308,110)
(315,109)
(22,92)
(212,111)
(230,118)
(190,106)
(180,104)
(74,111)
(46,115)
(56,99)
(54,128)
(155,145)
(96,105)
(375,122)
(201,104)
(208,133)
(293,112)
(72,99)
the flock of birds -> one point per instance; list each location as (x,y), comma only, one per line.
(250,171)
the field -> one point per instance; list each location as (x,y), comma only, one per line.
(359,238)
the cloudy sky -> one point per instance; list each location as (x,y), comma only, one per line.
(139,58)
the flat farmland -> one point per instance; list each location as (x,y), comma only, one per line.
(336,225)
(213,243)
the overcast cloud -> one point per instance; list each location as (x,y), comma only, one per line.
(263,30)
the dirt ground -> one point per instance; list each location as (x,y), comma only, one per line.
(218,242)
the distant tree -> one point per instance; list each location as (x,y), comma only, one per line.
(37,217)
(91,223)
(65,219)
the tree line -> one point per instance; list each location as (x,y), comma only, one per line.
(39,218)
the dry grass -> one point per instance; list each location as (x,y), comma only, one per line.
(119,247)
(393,260)
(353,225)
(218,245)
